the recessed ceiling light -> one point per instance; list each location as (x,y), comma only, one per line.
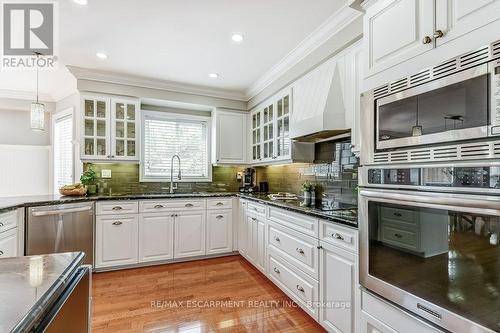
(101,55)
(213,75)
(81,2)
(237,38)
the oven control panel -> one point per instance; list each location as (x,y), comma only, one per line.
(458,177)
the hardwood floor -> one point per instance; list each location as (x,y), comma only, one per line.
(183,298)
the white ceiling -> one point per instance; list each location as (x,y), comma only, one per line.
(179,40)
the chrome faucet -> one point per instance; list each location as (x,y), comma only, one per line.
(172,173)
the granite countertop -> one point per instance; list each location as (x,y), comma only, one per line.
(297,206)
(30,285)
(10,203)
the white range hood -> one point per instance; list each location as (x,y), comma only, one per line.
(319,110)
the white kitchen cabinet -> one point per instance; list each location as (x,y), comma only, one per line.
(242,227)
(397,30)
(116,240)
(124,129)
(8,243)
(219,231)
(338,289)
(368,324)
(190,227)
(110,128)
(458,17)
(256,244)
(256,138)
(156,236)
(229,138)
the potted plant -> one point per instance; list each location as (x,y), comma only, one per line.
(88,179)
(307,187)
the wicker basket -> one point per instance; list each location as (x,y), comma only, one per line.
(74,192)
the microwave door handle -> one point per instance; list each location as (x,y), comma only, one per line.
(61,211)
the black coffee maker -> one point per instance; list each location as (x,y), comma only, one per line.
(249,183)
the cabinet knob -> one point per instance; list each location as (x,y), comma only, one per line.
(117,208)
(398,214)
(1,252)
(427,40)
(438,34)
(1,224)
(276,238)
(398,235)
(299,288)
(219,216)
(299,250)
(188,205)
(219,204)
(117,223)
(158,206)
(276,270)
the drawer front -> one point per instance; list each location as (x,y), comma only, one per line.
(399,237)
(398,214)
(219,203)
(256,208)
(296,248)
(299,222)
(117,207)
(300,287)
(8,220)
(8,243)
(169,205)
(343,237)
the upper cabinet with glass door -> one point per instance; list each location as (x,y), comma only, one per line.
(109,128)
(256,136)
(124,145)
(283,127)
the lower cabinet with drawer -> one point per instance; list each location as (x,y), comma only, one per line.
(11,234)
(219,231)
(256,243)
(8,243)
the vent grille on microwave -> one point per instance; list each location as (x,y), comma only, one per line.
(469,151)
(468,60)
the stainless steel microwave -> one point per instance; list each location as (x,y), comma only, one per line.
(454,101)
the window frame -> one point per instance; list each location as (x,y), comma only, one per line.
(67,113)
(163,115)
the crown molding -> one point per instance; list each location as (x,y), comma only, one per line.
(25,95)
(335,23)
(139,81)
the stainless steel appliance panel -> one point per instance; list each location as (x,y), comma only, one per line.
(61,228)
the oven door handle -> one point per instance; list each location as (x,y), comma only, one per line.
(482,204)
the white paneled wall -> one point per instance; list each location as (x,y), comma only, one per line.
(24,170)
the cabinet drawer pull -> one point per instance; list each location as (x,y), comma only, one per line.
(276,238)
(117,223)
(438,34)
(299,288)
(219,204)
(1,253)
(159,206)
(427,40)
(219,217)
(398,235)
(117,208)
(338,236)
(1,224)
(299,250)
(188,205)
(254,219)
(398,214)
(276,270)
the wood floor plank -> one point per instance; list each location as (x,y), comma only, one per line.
(215,295)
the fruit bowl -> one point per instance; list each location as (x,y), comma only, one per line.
(73,190)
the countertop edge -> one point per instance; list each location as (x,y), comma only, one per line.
(41,306)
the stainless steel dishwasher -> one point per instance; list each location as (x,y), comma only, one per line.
(61,228)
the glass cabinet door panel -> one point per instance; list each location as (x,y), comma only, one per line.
(254,121)
(120,129)
(266,150)
(101,147)
(254,152)
(130,148)
(258,119)
(131,112)
(120,148)
(270,112)
(266,132)
(258,152)
(89,108)
(101,128)
(130,130)
(89,146)
(280,128)
(258,136)
(286,126)
(266,116)
(89,127)
(120,111)
(286,105)
(101,109)
(280,108)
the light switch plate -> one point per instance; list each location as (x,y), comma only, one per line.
(105,173)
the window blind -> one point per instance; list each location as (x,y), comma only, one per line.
(63,152)
(166,136)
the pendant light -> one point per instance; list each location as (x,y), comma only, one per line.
(417,129)
(37,109)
